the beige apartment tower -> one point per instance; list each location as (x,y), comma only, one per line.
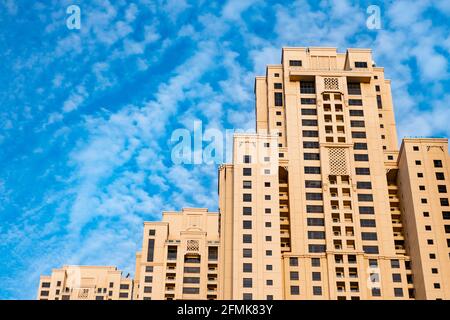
(344,214)
(320,203)
(179,257)
(85,283)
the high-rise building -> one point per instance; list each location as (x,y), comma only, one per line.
(319,203)
(179,257)
(85,283)
(343,215)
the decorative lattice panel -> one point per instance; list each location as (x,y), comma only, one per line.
(338,161)
(83,294)
(331,83)
(192,245)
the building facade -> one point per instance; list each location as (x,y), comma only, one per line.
(343,216)
(85,283)
(319,203)
(179,257)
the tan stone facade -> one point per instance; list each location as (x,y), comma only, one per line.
(179,257)
(85,283)
(345,204)
(319,203)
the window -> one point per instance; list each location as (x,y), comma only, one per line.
(313,184)
(420,175)
(147,269)
(293,262)
(444,202)
(310,145)
(446,215)
(191,280)
(147,289)
(151,232)
(188,290)
(423,200)
(269,253)
(295,290)
(308,101)
(358,135)
(247,184)
(247,197)
(415,148)
(317,291)
(314,196)
(366,210)
(447,228)
(362,171)
(316,235)
(45,293)
(278,99)
(360,64)
(418,162)
(437,285)
(247,159)
(360,146)
(191,269)
(307,87)
(213,253)
(246,224)
(151,249)
(45,284)
(437,163)
(377,88)
(379,102)
(247,282)
(428,228)
(371,236)
(440,176)
(148,279)
(294,275)
(277,85)
(268,238)
(316,248)
(247,253)
(395,264)
(361,157)
(312,170)
(376,292)
(354,88)
(398,292)
(267,197)
(365,198)
(432,256)
(123,295)
(311,156)
(247,172)
(442,189)
(295,63)
(356,113)
(269,282)
(367,223)
(268,210)
(247,267)
(172,253)
(370,249)
(247,296)
(355,102)
(315,262)
(269,267)
(315,222)
(364,185)
(309,112)
(247,238)
(357,124)
(309,123)
(310,133)
(316,276)
(247,211)
(422,188)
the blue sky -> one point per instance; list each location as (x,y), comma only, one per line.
(86,115)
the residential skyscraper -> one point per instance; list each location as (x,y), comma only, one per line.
(345,215)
